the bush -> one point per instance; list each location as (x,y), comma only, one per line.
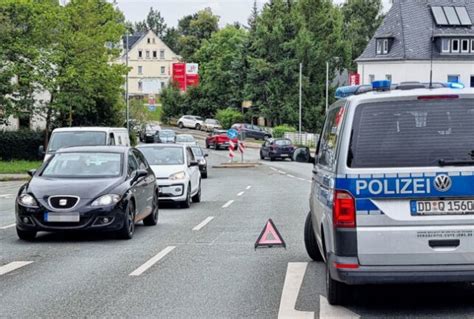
(229,116)
(279,131)
(20,145)
(133,138)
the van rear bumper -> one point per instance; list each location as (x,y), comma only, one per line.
(398,274)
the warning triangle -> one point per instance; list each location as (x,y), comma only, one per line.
(269,236)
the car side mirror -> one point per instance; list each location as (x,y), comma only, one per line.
(41,151)
(302,155)
(139,174)
(32,172)
(193,164)
(206,155)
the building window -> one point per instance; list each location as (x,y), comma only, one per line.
(148,40)
(472,81)
(465,46)
(472,46)
(162,54)
(382,46)
(453,78)
(163,70)
(388,77)
(371,78)
(155,55)
(385,46)
(455,46)
(445,45)
(147,54)
(140,85)
(379,46)
(163,85)
(140,69)
(140,54)
(153,40)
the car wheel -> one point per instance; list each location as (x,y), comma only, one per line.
(180,125)
(337,292)
(128,228)
(204,175)
(197,197)
(187,202)
(207,145)
(310,240)
(198,127)
(26,234)
(261,155)
(152,219)
(272,159)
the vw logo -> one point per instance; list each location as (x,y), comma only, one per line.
(443,183)
(62,202)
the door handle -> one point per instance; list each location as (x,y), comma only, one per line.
(444,243)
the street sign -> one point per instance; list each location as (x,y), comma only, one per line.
(152,108)
(354,79)
(270,236)
(232,133)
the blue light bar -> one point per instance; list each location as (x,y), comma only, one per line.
(455,85)
(346,91)
(383,85)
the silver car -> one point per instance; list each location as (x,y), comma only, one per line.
(392,198)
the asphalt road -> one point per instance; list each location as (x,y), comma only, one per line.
(199,262)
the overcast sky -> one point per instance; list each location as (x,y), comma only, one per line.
(172,10)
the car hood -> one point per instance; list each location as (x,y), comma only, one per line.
(87,188)
(164,171)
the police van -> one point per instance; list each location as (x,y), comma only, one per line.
(392,198)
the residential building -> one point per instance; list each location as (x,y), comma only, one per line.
(151,63)
(419,35)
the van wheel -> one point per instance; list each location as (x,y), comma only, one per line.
(337,293)
(310,240)
(27,235)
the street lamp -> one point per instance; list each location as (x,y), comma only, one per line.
(335,59)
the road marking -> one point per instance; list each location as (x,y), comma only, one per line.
(140,270)
(6,195)
(293,280)
(328,311)
(203,223)
(282,172)
(249,187)
(290,176)
(240,194)
(12,266)
(273,168)
(8,226)
(228,203)
(301,179)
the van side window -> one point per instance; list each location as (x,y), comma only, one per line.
(329,138)
(120,140)
(112,139)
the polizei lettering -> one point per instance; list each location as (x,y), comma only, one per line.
(399,186)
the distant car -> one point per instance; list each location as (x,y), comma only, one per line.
(177,172)
(88,188)
(252,131)
(165,136)
(191,121)
(210,124)
(219,139)
(277,148)
(185,139)
(200,156)
(148,132)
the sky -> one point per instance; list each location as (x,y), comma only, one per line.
(172,10)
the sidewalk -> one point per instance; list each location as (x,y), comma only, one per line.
(14,177)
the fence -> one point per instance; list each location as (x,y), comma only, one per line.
(305,139)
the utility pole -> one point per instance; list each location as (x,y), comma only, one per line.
(300,100)
(327,86)
(126,85)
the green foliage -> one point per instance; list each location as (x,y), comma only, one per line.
(229,116)
(279,131)
(133,138)
(18,166)
(20,145)
(154,21)
(173,103)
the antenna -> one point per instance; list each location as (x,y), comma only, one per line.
(431,58)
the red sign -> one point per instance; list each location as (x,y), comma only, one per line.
(354,79)
(270,236)
(182,77)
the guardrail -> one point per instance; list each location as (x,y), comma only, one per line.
(305,139)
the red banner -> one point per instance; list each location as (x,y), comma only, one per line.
(354,79)
(179,75)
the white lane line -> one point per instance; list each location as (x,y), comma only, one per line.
(301,179)
(273,168)
(203,223)
(140,270)
(12,266)
(7,226)
(293,280)
(240,194)
(6,195)
(328,311)
(249,187)
(282,172)
(228,203)
(290,175)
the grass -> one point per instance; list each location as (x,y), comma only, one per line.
(18,167)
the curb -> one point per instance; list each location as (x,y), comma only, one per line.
(13,178)
(236,165)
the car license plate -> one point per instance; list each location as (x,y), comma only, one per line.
(441,207)
(284,155)
(62,217)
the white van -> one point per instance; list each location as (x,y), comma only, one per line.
(85,136)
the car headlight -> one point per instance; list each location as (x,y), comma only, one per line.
(28,201)
(106,200)
(177,176)
(202,161)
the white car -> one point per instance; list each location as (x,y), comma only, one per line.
(211,125)
(185,139)
(190,121)
(177,172)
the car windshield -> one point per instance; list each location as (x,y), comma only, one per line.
(70,139)
(159,155)
(152,127)
(212,121)
(167,133)
(82,164)
(412,133)
(184,138)
(197,151)
(283,142)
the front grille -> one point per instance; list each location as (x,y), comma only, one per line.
(63,202)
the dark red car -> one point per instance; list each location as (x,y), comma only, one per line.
(219,139)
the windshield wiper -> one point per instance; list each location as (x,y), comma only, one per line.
(457,162)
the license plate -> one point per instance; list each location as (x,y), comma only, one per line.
(441,207)
(284,155)
(62,217)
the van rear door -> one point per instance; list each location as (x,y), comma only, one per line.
(413,181)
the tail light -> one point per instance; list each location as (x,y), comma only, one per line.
(344,212)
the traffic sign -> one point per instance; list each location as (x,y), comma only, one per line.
(152,108)
(232,133)
(270,236)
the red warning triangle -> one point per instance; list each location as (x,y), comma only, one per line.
(269,236)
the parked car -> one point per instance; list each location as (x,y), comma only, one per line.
(210,124)
(177,172)
(252,131)
(191,121)
(148,132)
(277,148)
(88,188)
(219,139)
(200,156)
(165,136)
(84,136)
(185,139)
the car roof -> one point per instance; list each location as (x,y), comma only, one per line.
(96,149)
(160,144)
(91,128)
(185,135)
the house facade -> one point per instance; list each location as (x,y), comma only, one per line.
(151,61)
(419,35)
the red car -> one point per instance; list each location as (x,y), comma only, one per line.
(219,139)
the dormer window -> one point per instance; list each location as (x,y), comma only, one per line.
(457,46)
(383,46)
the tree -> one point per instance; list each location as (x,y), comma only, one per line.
(156,23)
(171,39)
(361,19)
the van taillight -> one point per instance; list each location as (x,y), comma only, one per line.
(344,212)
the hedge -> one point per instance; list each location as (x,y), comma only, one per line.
(20,145)
(279,131)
